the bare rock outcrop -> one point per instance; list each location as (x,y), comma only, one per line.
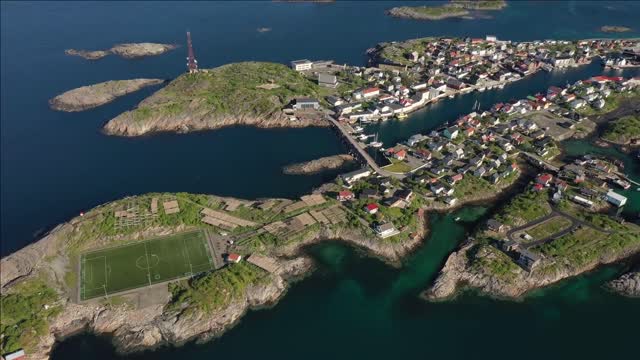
(91,96)
(627,284)
(194,119)
(318,165)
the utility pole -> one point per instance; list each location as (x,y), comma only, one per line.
(192,63)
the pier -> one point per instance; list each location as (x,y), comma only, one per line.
(360,152)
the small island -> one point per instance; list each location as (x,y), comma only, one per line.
(627,284)
(454,9)
(247,93)
(127,51)
(615,29)
(319,165)
(91,96)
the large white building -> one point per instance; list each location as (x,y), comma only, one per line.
(301,65)
(616,199)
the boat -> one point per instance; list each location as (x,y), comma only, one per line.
(501,86)
(375,143)
(363,137)
(482,89)
(623,184)
(358,129)
(451,96)
(402,116)
(457,219)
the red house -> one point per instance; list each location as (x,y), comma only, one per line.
(234,258)
(401,154)
(544,179)
(371,208)
(345,195)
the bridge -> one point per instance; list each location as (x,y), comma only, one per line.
(537,161)
(362,153)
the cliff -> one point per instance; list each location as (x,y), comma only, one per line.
(318,165)
(127,51)
(249,93)
(627,284)
(91,96)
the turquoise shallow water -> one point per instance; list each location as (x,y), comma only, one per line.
(357,307)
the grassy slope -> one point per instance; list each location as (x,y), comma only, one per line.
(525,207)
(215,290)
(229,89)
(623,129)
(24,316)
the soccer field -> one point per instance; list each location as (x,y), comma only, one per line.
(111,270)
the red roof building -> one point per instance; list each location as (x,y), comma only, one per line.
(371,208)
(345,195)
(544,179)
(401,154)
(234,258)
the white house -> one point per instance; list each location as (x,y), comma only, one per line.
(385,230)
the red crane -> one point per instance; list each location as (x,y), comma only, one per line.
(192,63)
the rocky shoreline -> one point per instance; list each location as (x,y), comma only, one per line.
(126,125)
(134,328)
(91,96)
(127,51)
(318,165)
(457,274)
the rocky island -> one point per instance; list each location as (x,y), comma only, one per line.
(454,9)
(615,29)
(91,96)
(127,51)
(319,165)
(627,285)
(247,93)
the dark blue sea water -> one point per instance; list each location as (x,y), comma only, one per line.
(54,165)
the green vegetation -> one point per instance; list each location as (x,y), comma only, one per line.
(479,5)
(587,245)
(397,52)
(439,11)
(473,186)
(525,207)
(26,313)
(398,166)
(484,257)
(143,263)
(248,88)
(623,130)
(215,290)
(549,227)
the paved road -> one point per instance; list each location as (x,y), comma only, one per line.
(363,153)
(575,222)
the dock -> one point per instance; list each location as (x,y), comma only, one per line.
(360,152)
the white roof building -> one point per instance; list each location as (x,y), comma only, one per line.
(616,199)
